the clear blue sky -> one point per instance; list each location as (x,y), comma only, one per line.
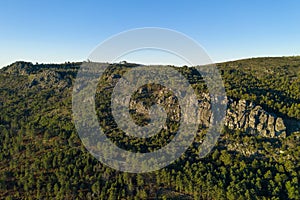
(59,31)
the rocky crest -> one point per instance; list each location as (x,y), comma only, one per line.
(240,115)
(247,116)
(20,68)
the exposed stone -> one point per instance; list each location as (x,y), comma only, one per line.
(270,126)
(280,127)
(247,116)
(241,114)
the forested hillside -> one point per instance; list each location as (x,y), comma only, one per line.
(42,157)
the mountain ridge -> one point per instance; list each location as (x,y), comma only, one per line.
(42,157)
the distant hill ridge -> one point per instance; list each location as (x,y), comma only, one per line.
(29,67)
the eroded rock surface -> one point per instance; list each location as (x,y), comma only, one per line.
(240,115)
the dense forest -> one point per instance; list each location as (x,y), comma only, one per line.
(42,157)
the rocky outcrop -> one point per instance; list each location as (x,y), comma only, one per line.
(20,68)
(240,115)
(247,116)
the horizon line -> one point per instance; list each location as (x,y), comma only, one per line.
(216,62)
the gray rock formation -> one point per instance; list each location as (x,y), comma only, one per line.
(241,115)
(247,116)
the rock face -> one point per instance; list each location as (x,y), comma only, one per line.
(240,115)
(247,116)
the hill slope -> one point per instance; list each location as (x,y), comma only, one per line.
(42,156)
